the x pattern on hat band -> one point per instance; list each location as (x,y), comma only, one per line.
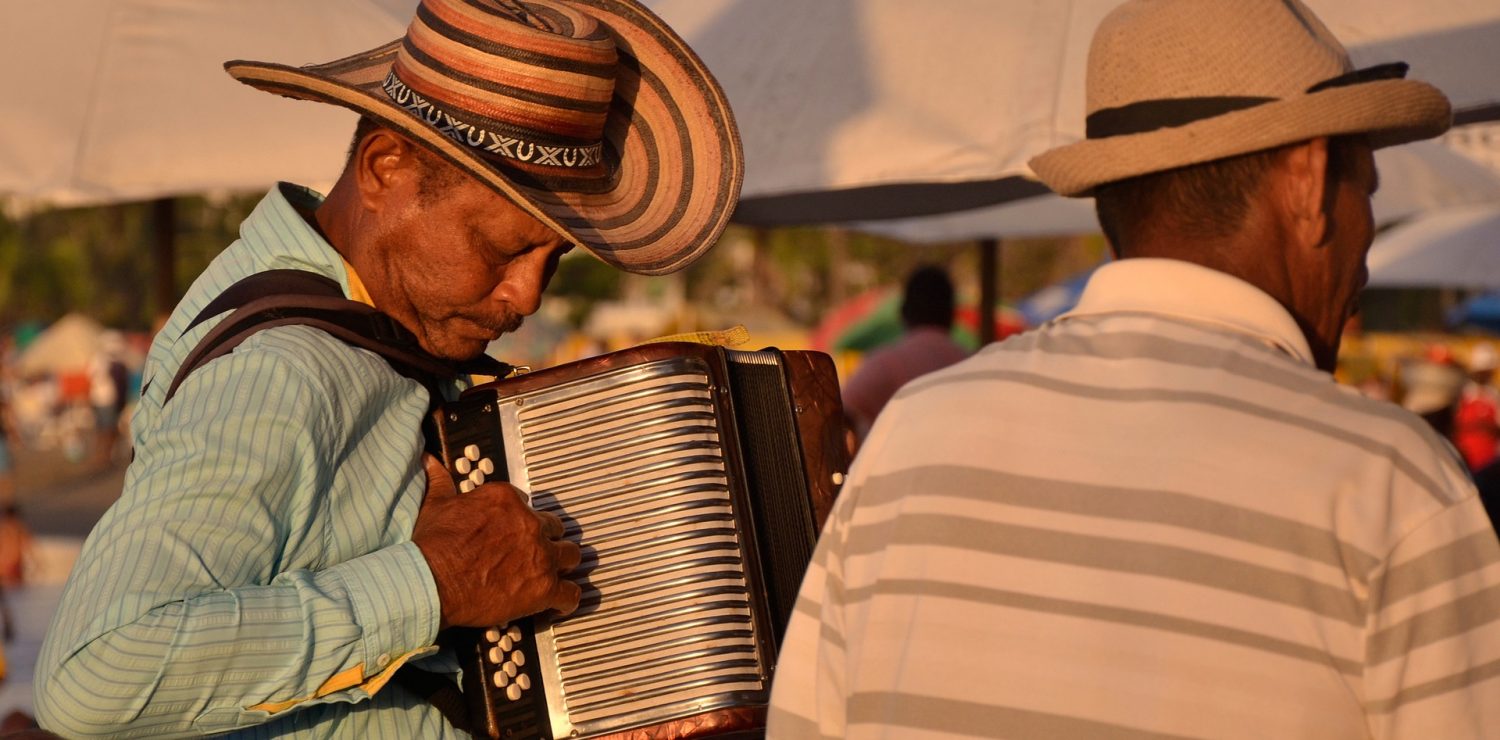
(487,141)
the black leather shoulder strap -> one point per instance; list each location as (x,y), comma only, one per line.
(297,297)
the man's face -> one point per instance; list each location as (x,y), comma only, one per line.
(463,265)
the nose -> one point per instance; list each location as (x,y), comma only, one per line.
(525,279)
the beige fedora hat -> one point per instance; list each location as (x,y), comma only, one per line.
(1173,83)
(592,115)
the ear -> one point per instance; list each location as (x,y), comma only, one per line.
(384,164)
(1305,195)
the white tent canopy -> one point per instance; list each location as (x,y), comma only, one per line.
(126,99)
(114,100)
(1414,179)
(840,102)
(65,346)
(1454,248)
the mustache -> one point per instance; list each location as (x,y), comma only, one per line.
(504,323)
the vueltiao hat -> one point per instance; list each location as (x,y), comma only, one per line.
(1173,83)
(592,115)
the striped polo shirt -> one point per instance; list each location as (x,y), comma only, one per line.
(1150,518)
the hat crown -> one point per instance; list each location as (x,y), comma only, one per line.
(509,77)
(1150,50)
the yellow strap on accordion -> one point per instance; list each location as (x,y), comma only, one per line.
(734,336)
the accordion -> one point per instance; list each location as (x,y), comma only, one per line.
(695,480)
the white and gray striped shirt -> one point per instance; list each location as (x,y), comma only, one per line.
(1151,518)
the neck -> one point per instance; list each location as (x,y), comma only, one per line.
(1258,257)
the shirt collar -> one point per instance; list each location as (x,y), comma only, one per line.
(1193,293)
(280,238)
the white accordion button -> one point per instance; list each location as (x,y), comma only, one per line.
(472,452)
(518,658)
(510,669)
(493,634)
(501,680)
(496,655)
(505,642)
(476,477)
(465,486)
(514,632)
(463,465)
(513,692)
(524,681)
(487,466)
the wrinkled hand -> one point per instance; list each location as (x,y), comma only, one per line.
(494,559)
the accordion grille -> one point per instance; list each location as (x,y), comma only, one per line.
(632,463)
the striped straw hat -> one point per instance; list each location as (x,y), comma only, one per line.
(1178,82)
(592,115)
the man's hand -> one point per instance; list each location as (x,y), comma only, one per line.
(493,558)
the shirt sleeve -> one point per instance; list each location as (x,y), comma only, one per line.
(810,691)
(179,617)
(1432,651)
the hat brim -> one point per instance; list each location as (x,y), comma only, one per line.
(673,153)
(1389,111)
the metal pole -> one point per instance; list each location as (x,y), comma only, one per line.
(989,288)
(164,255)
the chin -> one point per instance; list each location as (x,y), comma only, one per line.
(455,349)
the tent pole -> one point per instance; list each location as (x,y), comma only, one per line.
(989,288)
(164,255)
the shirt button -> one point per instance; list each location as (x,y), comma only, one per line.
(384,660)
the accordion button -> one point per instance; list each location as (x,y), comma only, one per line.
(505,643)
(501,679)
(510,669)
(492,634)
(462,465)
(513,692)
(514,632)
(476,477)
(496,655)
(472,452)
(466,486)
(487,466)
(517,658)
(524,681)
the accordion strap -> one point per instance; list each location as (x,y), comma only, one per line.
(297,297)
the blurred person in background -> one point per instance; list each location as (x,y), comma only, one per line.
(1431,388)
(1476,424)
(10,439)
(926,345)
(1159,515)
(109,391)
(15,547)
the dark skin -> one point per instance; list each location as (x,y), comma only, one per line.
(1303,241)
(457,267)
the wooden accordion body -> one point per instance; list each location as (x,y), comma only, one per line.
(695,479)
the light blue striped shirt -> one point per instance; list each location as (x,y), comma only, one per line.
(257,574)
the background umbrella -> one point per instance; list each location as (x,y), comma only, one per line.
(1414,178)
(873,319)
(121,100)
(859,109)
(127,100)
(1454,248)
(1054,300)
(1482,311)
(67,345)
